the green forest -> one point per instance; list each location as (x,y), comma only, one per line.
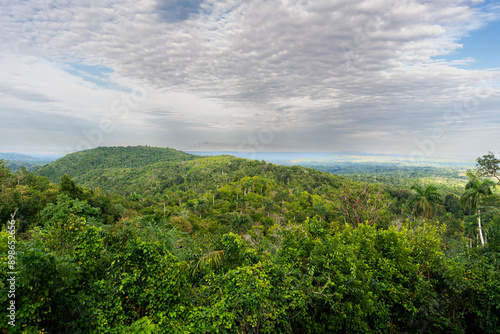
(155,240)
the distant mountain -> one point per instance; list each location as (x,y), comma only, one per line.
(14,161)
(18,157)
(80,163)
(267,156)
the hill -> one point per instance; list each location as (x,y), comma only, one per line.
(79,163)
(14,161)
(18,157)
(230,185)
(201,175)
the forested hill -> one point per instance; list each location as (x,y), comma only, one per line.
(152,171)
(203,175)
(230,185)
(79,163)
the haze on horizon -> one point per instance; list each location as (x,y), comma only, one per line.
(405,77)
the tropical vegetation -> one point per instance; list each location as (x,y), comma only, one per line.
(152,240)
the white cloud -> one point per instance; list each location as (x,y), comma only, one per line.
(222,70)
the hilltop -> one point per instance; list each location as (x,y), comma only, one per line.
(80,163)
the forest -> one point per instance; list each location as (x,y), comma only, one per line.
(155,240)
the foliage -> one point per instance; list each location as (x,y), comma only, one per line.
(424,200)
(475,191)
(173,243)
(79,163)
(488,166)
(361,205)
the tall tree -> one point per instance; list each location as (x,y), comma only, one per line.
(475,190)
(488,166)
(269,206)
(425,200)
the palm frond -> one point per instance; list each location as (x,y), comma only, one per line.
(212,259)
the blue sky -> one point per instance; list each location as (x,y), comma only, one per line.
(97,75)
(482,45)
(415,78)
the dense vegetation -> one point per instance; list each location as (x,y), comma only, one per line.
(449,176)
(79,163)
(146,240)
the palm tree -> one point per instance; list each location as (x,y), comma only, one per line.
(475,191)
(424,200)
(165,199)
(201,206)
(269,206)
(213,259)
(243,202)
(241,223)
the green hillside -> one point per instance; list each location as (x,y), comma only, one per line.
(202,175)
(233,186)
(79,163)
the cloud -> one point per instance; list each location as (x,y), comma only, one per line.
(23,94)
(224,70)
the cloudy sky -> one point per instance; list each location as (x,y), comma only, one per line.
(418,78)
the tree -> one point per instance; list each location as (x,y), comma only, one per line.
(488,166)
(201,206)
(240,223)
(4,171)
(452,204)
(192,205)
(283,196)
(269,206)
(319,209)
(70,188)
(21,174)
(425,200)
(60,214)
(362,204)
(243,201)
(165,198)
(475,191)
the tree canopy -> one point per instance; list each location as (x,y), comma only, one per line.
(228,245)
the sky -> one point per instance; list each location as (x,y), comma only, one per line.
(416,78)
